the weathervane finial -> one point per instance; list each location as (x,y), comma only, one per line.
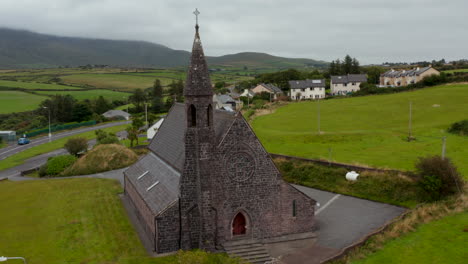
(196,13)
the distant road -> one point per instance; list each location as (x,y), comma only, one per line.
(14,149)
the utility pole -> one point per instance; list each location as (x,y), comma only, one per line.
(410,137)
(50,132)
(329,156)
(444,140)
(318,116)
(146,115)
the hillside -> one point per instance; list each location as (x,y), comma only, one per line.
(25,49)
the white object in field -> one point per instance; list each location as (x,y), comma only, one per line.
(352,176)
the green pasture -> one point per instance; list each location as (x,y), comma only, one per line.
(79,220)
(458,70)
(15,101)
(90,94)
(124,82)
(442,241)
(35,86)
(371,130)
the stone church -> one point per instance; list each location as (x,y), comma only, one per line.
(208,180)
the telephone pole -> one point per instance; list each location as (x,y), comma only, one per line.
(318,115)
(444,140)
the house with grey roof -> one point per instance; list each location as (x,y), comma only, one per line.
(224,101)
(346,84)
(117,114)
(269,88)
(395,78)
(307,89)
(207,181)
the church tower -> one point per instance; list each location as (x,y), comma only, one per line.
(198,217)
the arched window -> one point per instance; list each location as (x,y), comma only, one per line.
(192,116)
(209,111)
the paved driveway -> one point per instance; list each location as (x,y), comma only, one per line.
(343,220)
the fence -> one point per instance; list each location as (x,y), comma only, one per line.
(60,127)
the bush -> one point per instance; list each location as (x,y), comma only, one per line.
(76,145)
(258,103)
(439,178)
(42,172)
(58,164)
(460,128)
(249,113)
(103,137)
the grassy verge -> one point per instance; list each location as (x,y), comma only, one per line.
(431,233)
(19,158)
(75,221)
(389,187)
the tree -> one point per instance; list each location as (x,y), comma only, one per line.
(157,101)
(373,74)
(101,105)
(355,66)
(76,145)
(81,112)
(347,64)
(438,177)
(177,89)
(332,68)
(138,99)
(132,134)
(102,137)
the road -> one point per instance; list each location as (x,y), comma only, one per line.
(14,149)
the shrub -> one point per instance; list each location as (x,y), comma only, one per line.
(76,145)
(58,164)
(103,137)
(42,170)
(460,128)
(438,177)
(258,103)
(249,113)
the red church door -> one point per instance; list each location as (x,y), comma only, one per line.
(238,225)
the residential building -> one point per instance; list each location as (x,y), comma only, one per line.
(207,182)
(395,78)
(269,88)
(224,101)
(345,84)
(307,89)
(247,92)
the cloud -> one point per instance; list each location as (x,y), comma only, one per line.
(371,30)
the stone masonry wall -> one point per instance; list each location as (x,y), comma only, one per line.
(143,213)
(168,229)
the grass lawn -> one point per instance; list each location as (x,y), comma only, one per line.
(90,94)
(371,130)
(34,86)
(14,101)
(19,158)
(442,241)
(124,82)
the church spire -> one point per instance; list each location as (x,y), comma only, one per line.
(198,79)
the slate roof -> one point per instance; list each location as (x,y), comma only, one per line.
(302,84)
(114,113)
(168,143)
(416,71)
(272,88)
(154,170)
(224,98)
(349,78)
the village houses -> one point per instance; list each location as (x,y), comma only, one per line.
(269,88)
(307,89)
(345,84)
(393,78)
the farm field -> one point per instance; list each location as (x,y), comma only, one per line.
(459,70)
(115,81)
(79,220)
(371,130)
(15,101)
(442,241)
(35,86)
(90,94)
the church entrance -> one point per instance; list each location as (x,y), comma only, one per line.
(238,225)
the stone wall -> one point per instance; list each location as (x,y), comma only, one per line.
(142,211)
(168,229)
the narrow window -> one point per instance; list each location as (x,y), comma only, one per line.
(192,115)
(294,208)
(209,111)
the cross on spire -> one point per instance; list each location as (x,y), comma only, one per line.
(196,13)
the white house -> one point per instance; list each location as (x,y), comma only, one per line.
(307,89)
(154,129)
(345,84)
(247,92)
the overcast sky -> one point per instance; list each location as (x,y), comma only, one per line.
(373,31)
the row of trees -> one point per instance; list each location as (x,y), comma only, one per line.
(154,96)
(347,66)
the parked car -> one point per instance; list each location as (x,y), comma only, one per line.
(23,141)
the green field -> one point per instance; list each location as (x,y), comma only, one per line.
(371,130)
(124,82)
(459,70)
(14,101)
(35,86)
(90,94)
(442,241)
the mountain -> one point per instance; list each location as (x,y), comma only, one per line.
(25,49)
